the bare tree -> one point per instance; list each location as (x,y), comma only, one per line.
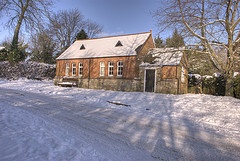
(43,47)
(209,24)
(27,13)
(93,29)
(65,25)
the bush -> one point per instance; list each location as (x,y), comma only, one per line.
(194,83)
(3,55)
(220,86)
(236,86)
(206,84)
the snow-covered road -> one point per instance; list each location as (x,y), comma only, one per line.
(39,121)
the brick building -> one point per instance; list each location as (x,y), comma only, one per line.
(110,63)
(165,72)
(116,63)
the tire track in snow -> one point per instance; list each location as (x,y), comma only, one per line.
(59,115)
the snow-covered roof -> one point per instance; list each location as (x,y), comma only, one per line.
(165,56)
(124,45)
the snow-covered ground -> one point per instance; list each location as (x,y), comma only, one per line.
(40,121)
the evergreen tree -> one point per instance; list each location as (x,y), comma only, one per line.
(3,54)
(158,42)
(13,55)
(81,35)
(175,41)
(5,51)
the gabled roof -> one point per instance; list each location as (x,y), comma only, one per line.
(106,46)
(165,56)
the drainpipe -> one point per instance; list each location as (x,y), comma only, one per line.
(177,80)
(89,63)
(178,86)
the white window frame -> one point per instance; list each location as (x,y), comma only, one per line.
(155,79)
(80,69)
(102,69)
(74,67)
(67,69)
(183,75)
(110,68)
(120,68)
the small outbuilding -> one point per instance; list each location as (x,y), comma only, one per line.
(165,71)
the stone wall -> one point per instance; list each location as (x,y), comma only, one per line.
(29,69)
(115,84)
(105,83)
(168,86)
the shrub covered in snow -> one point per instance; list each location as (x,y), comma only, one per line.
(236,86)
(208,84)
(214,85)
(29,69)
(194,79)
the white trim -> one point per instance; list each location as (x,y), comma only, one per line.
(67,69)
(75,69)
(109,68)
(155,79)
(144,81)
(102,65)
(183,79)
(118,68)
(80,67)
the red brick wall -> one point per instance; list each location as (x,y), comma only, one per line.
(93,71)
(149,44)
(169,72)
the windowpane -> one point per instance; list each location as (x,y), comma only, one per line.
(110,68)
(102,68)
(80,71)
(73,69)
(67,69)
(120,68)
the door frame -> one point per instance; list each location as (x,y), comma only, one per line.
(155,83)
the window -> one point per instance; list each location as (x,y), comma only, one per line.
(73,69)
(67,69)
(80,71)
(118,44)
(82,47)
(110,68)
(120,68)
(102,68)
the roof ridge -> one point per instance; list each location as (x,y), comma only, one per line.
(116,36)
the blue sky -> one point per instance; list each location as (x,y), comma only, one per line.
(116,16)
